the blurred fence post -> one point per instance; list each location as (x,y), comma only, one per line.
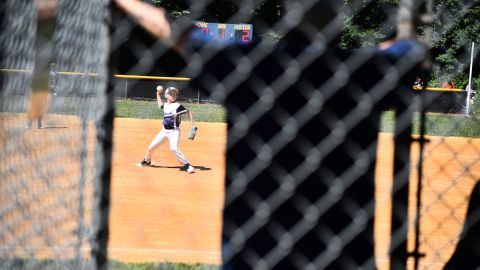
(469,86)
(401,166)
(126,88)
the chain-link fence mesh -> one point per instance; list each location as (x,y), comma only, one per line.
(147,88)
(304,99)
(50,170)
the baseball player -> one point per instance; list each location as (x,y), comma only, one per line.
(38,107)
(44,53)
(172,117)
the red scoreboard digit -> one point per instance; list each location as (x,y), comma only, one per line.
(243,33)
(246,35)
(203,26)
(221,31)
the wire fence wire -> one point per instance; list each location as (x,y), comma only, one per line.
(51,169)
(141,88)
(304,118)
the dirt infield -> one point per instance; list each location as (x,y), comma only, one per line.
(446,188)
(163,214)
(160,213)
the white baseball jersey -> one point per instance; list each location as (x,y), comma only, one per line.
(172,113)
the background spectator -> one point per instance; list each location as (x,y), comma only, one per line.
(449,84)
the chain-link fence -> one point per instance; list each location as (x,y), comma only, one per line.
(305,101)
(52,177)
(146,89)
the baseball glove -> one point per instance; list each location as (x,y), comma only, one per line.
(192,132)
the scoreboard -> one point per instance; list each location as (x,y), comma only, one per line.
(237,33)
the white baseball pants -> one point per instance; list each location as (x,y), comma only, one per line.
(173,136)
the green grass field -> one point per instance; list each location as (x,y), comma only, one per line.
(114,265)
(19,264)
(436,124)
(147,109)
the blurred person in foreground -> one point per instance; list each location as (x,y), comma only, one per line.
(467,251)
(303,119)
(42,89)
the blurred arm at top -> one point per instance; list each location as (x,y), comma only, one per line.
(152,18)
(46,9)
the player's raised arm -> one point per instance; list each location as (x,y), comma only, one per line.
(159,98)
(150,17)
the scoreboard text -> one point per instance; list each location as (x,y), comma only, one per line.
(238,33)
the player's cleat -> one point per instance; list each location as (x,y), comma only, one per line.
(28,124)
(144,163)
(189,168)
(40,125)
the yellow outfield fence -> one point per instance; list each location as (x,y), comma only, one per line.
(151,77)
(439,89)
(122,76)
(143,87)
(126,85)
(166,78)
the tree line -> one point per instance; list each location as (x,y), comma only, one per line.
(454,27)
